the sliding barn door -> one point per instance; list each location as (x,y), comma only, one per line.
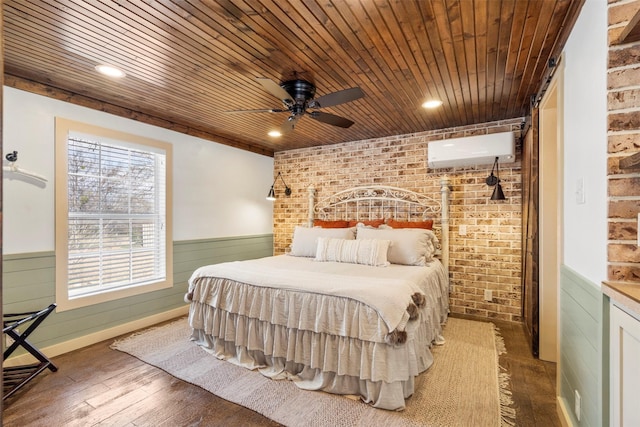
(530,284)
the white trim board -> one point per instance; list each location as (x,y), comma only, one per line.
(563,413)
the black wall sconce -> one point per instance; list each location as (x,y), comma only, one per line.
(272,193)
(494,180)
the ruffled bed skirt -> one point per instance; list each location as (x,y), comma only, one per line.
(381,374)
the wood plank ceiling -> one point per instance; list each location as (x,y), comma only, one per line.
(188,62)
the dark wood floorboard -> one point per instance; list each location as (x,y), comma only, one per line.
(97,386)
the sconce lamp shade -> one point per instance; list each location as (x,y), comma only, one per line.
(498,194)
(272,194)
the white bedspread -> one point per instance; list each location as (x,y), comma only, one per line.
(291,317)
(387,290)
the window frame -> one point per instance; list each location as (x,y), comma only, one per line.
(63,127)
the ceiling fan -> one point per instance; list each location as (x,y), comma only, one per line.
(297,98)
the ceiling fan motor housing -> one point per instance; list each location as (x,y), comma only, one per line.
(301,91)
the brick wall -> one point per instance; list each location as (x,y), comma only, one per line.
(487,257)
(623,82)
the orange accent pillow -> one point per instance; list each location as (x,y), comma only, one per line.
(330,224)
(372,223)
(428,224)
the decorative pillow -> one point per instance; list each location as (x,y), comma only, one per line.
(331,224)
(434,240)
(363,251)
(409,246)
(432,246)
(427,225)
(305,239)
(369,223)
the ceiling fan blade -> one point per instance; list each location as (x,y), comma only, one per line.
(263,110)
(331,119)
(335,98)
(290,123)
(274,89)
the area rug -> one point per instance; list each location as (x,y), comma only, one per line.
(465,386)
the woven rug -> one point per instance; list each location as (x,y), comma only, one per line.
(465,386)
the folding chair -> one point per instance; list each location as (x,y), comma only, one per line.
(15,377)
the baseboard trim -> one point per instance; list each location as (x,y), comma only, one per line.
(563,414)
(86,340)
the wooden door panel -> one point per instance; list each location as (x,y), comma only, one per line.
(530,173)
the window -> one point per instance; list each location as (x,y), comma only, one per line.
(113,215)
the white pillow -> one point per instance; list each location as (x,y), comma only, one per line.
(363,251)
(305,239)
(409,246)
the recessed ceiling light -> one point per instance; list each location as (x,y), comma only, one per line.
(432,103)
(110,70)
(275,133)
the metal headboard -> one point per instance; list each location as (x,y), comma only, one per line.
(378,201)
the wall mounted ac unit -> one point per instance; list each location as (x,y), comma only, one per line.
(472,150)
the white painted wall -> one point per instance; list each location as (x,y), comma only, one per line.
(581,368)
(218,190)
(585,143)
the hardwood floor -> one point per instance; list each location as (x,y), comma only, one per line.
(103,387)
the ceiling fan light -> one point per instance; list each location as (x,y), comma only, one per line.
(110,71)
(432,103)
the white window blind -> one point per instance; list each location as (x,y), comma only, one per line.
(116,215)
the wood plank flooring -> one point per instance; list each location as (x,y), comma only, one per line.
(97,386)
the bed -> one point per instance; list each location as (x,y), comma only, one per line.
(353,308)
